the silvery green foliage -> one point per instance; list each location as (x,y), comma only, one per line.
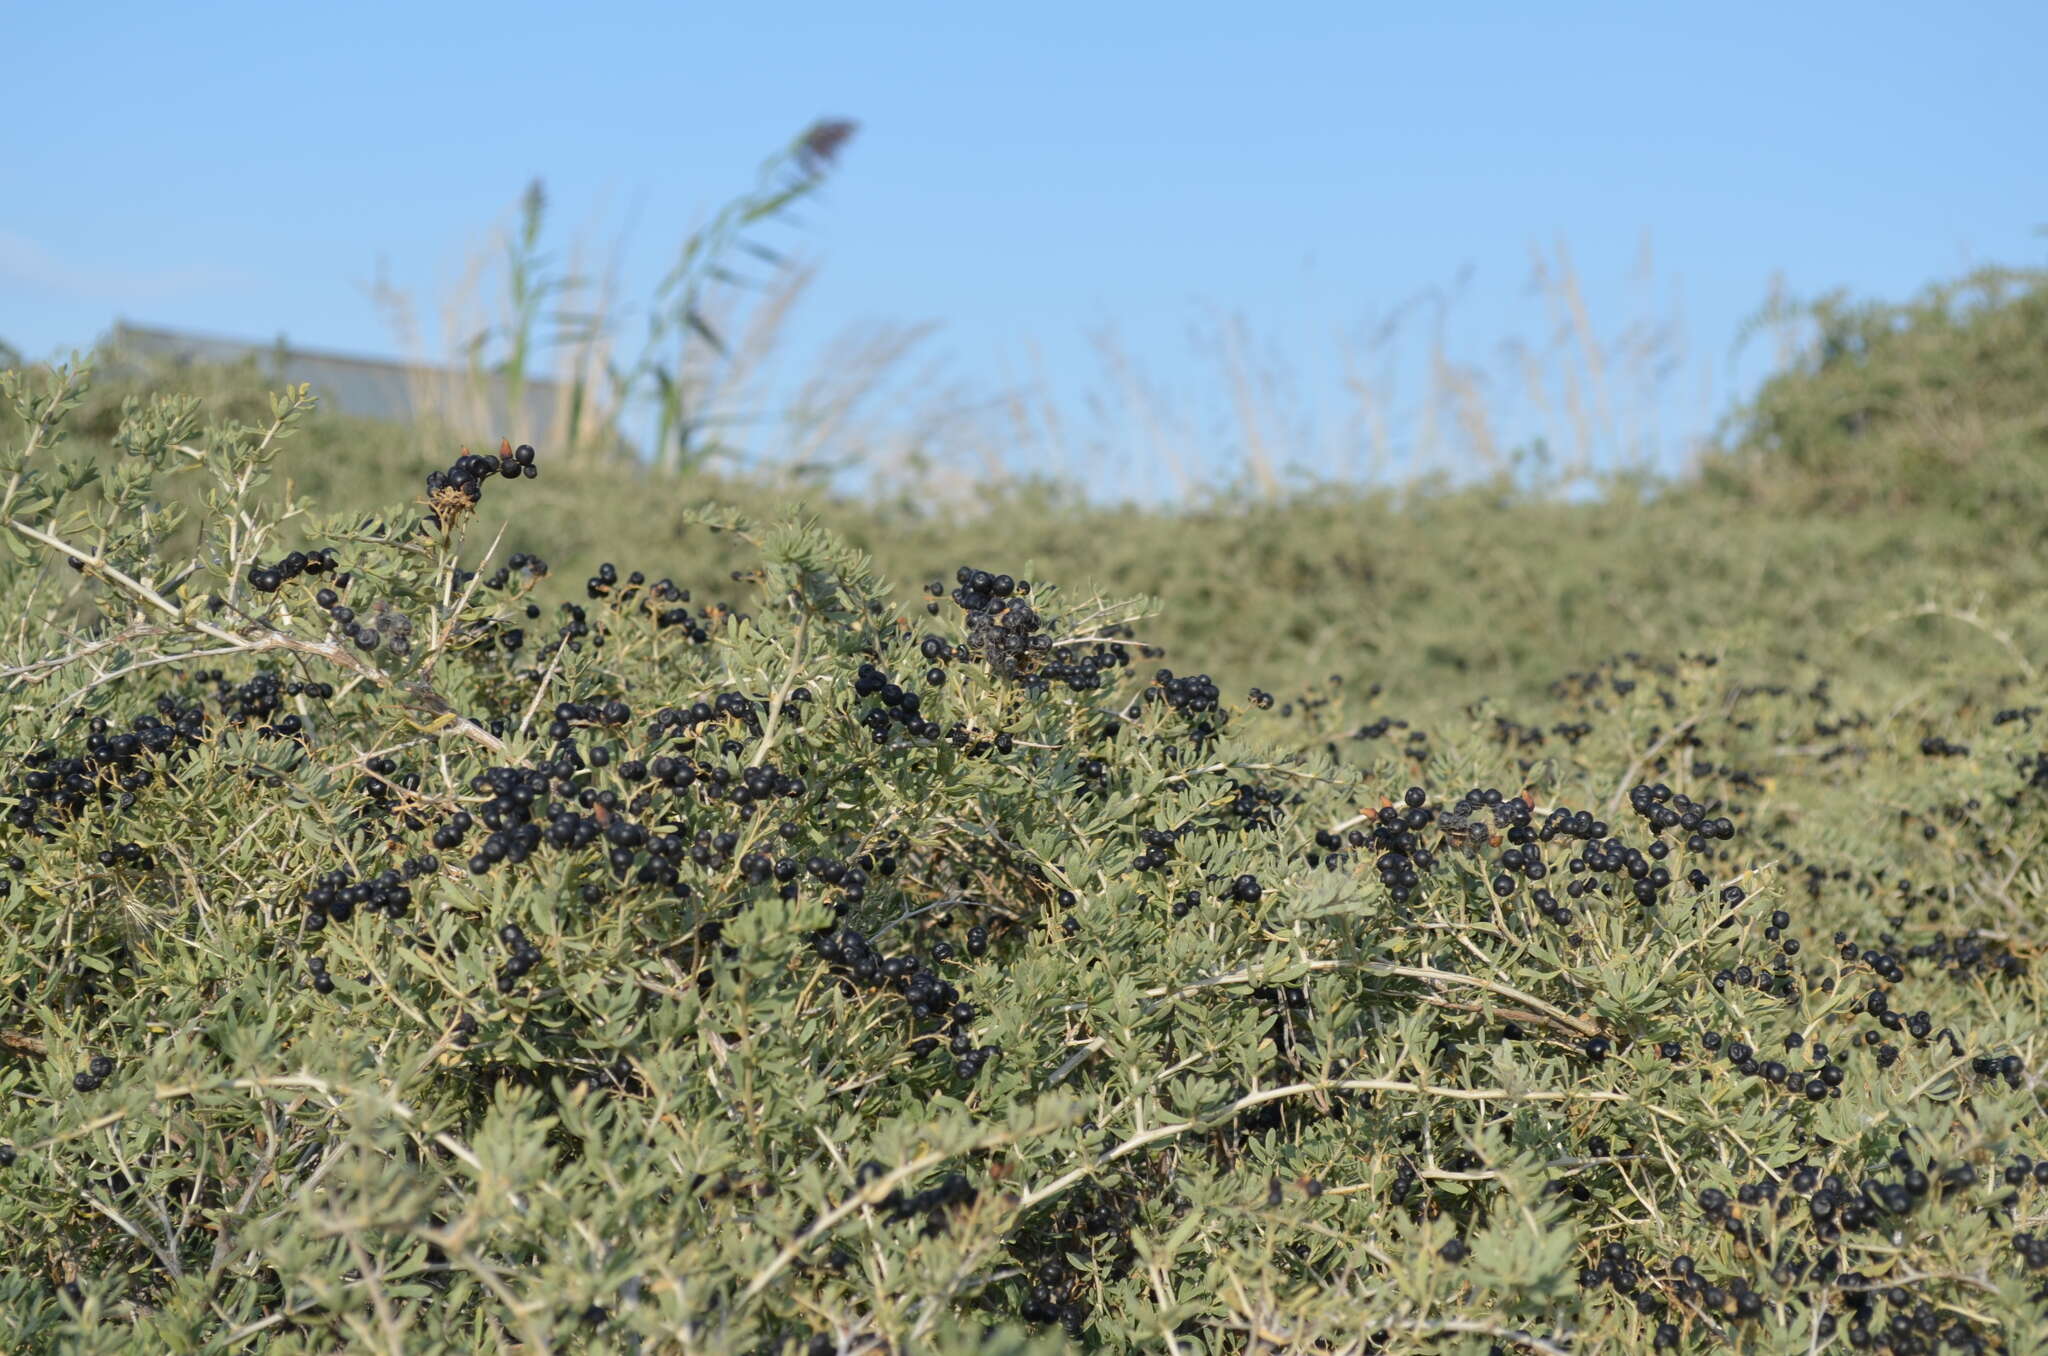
(683,1101)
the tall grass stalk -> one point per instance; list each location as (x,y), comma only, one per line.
(717,375)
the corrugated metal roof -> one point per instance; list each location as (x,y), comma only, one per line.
(373,388)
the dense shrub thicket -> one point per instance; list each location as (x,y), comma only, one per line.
(1941,400)
(409,946)
(1439,597)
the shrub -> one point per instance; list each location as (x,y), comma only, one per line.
(400,955)
(1939,400)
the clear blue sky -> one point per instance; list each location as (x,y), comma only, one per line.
(1025,173)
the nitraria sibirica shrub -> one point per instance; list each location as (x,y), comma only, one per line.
(406,949)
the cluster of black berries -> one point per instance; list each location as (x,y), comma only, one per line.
(336,895)
(1513,734)
(570,714)
(1767,977)
(1007,631)
(115,765)
(537,806)
(748,791)
(1647,874)
(1094,775)
(572,634)
(1251,807)
(1963,957)
(895,705)
(1877,1006)
(483,636)
(1822,1080)
(631,596)
(1619,1269)
(493,637)
(388,792)
(529,567)
(270,578)
(1094,1224)
(2007,1066)
(108,772)
(760,867)
(2033,1250)
(461,486)
(254,701)
(1049,1300)
(1001,626)
(1761,1217)
(1159,847)
(695,626)
(617,1076)
(524,956)
(134,856)
(383,624)
(1406,1181)
(605,583)
(1484,818)
(851,879)
(2034,771)
(938,652)
(683,721)
(1194,697)
(97,1071)
(1089,670)
(513,835)
(752,789)
(975,746)
(1666,810)
(316,974)
(929,997)
(950,1190)
(259,700)
(1385,725)
(1328,851)
(1395,836)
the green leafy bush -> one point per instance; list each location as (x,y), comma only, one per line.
(403,951)
(1438,599)
(1942,400)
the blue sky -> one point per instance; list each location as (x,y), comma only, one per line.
(1027,174)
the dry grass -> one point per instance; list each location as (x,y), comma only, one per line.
(1394,400)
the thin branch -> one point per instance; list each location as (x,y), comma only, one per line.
(34,671)
(266,638)
(1038,1195)
(781,697)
